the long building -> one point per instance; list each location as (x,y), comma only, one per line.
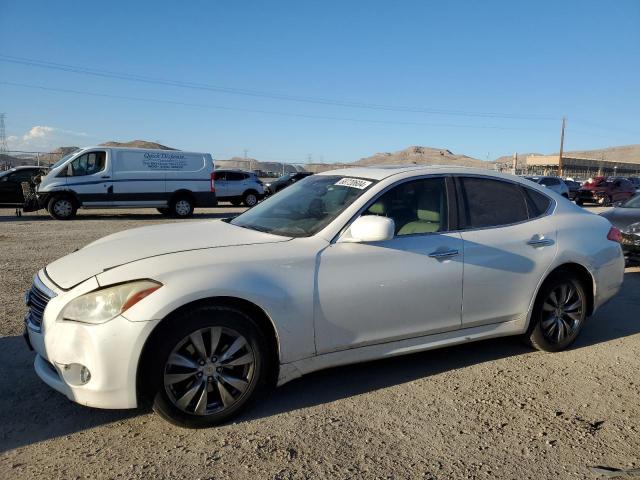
(579,167)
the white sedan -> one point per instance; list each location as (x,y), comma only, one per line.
(345,266)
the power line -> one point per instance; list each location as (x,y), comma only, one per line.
(266,112)
(257,93)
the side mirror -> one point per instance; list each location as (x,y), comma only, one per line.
(370,228)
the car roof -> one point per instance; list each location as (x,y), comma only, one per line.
(381,172)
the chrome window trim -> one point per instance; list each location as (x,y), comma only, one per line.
(550,209)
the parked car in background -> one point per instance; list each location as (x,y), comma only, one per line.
(344,266)
(284,181)
(635,181)
(11,194)
(237,187)
(552,183)
(172,181)
(626,217)
(573,187)
(605,191)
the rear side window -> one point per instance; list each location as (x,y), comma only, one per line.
(549,181)
(538,203)
(492,203)
(235,176)
(219,175)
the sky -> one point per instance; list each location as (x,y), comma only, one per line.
(321,80)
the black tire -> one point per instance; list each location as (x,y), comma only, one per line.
(250,199)
(579,202)
(236,203)
(181,206)
(549,321)
(164,211)
(182,326)
(62,207)
(565,196)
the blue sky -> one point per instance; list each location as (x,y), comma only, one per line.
(488,78)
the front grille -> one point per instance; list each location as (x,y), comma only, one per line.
(37,299)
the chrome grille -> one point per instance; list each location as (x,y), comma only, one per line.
(37,299)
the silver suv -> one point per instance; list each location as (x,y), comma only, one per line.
(237,186)
(552,183)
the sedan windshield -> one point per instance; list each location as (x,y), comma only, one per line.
(633,202)
(306,207)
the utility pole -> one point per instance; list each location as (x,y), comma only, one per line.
(560,162)
(245,151)
(3,135)
(515,163)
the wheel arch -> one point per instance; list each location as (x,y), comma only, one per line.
(258,314)
(67,192)
(183,192)
(582,272)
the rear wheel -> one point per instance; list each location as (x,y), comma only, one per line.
(209,366)
(62,207)
(579,202)
(559,313)
(181,207)
(236,203)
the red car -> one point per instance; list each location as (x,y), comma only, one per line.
(605,191)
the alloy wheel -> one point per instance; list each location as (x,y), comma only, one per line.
(251,200)
(209,371)
(562,312)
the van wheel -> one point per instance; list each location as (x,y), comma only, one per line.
(62,207)
(164,211)
(210,364)
(250,199)
(181,207)
(559,313)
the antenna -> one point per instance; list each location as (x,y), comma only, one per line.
(3,135)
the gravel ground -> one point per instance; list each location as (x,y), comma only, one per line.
(494,409)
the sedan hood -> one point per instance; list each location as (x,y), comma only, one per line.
(138,243)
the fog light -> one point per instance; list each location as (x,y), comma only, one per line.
(76,374)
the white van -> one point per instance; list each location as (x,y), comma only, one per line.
(172,181)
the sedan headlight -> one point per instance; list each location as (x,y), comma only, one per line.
(633,228)
(105,304)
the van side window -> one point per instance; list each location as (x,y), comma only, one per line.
(492,203)
(87,164)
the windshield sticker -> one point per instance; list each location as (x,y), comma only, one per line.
(354,183)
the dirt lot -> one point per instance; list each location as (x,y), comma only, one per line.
(494,409)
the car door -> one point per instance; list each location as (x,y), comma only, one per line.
(11,186)
(509,243)
(405,287)
(235,184)
(220,179)
(89,177)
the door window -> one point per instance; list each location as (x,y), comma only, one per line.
(418,206)
(87,164)
(491,203)
(537,203)
(22,176)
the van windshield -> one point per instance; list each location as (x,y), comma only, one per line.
(62,160)
(306,207)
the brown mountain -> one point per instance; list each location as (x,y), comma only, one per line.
(418,155)
(137,144)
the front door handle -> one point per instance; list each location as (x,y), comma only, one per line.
(105,176)
(539,241)
(440,254)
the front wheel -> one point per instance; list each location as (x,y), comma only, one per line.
(62,207)
(210,364)
(250,199)
(559,313)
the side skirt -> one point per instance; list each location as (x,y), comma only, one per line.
(290,371)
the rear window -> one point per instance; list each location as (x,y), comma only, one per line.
(492,203)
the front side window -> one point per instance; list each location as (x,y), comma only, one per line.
(306,207)
(87,164)
(492,203)
(416,207)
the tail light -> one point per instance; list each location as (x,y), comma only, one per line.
(614,235)
(213,181)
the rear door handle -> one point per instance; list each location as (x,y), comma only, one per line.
(440,254)
(540,242)
(105,176)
